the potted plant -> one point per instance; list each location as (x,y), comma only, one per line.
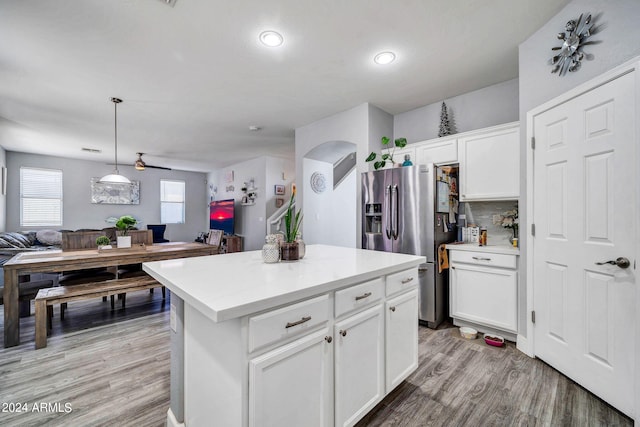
(124,224)
(292,221)
(388,156)
(103,242)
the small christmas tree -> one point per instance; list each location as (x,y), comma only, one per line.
(445,129)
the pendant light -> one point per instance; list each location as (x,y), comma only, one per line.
(115,177)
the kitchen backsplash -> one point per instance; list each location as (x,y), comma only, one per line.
(481,214)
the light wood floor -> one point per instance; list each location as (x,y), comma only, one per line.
(116,372)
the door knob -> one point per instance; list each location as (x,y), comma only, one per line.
(621,262)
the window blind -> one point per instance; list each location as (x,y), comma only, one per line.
(172,201)
(40,197)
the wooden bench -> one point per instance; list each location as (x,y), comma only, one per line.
(46,298)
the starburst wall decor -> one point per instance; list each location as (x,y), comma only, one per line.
(573,39)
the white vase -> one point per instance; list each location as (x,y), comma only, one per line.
(124,241)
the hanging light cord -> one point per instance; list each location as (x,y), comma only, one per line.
(115,121)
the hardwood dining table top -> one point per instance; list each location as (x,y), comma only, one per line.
(57,261)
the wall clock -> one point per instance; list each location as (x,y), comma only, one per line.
(570,54)
(318,182)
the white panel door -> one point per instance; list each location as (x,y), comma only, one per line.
(292,385)
(584,214)
(359,365)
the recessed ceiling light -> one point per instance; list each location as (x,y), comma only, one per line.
(254,128)
(384,58)
(271,38)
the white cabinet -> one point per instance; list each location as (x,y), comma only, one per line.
(278,398)
(323,361)
(490,164)
(401,338)
(483,289)
(439,151)
(359,365)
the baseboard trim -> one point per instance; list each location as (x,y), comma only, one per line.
(522,344)
(172,421)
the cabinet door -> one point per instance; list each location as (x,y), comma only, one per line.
(293,384)
(401,338)
(359,365)
(484,295)
(439,152)
(490,165)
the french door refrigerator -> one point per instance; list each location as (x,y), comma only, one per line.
(399,215)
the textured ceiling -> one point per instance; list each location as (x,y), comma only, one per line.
(194,77)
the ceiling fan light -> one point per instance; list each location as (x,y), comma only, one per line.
(139,164)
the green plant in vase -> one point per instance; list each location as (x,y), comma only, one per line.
(292,221)
(388,156)
(126,223)
(103,241)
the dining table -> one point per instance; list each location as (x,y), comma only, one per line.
(56,261)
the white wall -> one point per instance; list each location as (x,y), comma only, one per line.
(363,126)
(489,106)
(3,197)
(618,37)
(79,212)
(330,216)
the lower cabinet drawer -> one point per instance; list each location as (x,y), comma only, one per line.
(483,258)
(402,281)
(287,322)
(358,296)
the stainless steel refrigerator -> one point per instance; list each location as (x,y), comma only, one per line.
(400,214)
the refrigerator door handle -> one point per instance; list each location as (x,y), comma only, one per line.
(394,224)
(388,219)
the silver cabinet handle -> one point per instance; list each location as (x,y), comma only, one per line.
(343,333)
(407,280)
(479,258)
(328,339)
(621,262)
(363,296)
(392,308)
(299,322)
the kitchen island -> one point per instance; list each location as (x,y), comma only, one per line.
(317,342)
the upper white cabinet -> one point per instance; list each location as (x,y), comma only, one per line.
(490,164)
(439,151)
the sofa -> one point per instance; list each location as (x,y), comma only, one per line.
(12,243)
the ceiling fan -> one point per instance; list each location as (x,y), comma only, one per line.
(141,165)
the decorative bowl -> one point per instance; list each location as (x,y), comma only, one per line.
(468,333)
(494,340)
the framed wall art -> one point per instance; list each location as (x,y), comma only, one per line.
(278,190)
(115,193)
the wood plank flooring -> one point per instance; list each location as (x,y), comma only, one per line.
(113,369)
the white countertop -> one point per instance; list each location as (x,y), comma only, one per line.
(494,249)
(228,286)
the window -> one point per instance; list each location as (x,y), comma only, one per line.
(172,201)
(40,197)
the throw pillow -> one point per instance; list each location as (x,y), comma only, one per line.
(49,237)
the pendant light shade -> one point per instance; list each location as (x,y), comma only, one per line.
(115,177)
